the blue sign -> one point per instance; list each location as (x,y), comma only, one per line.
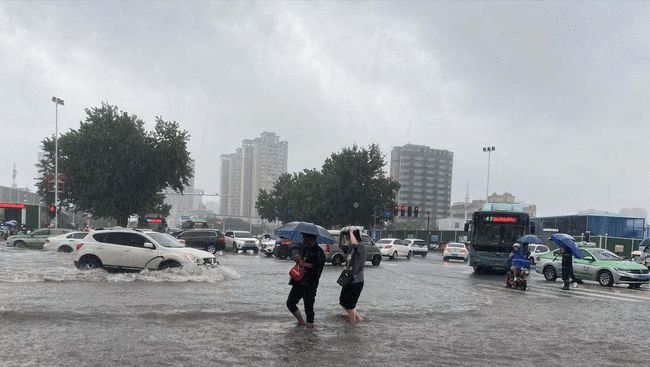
(388,214)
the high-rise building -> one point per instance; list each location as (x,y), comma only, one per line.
(253,167)
(424,175)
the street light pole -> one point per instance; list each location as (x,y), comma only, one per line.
(57,102)
(489,150)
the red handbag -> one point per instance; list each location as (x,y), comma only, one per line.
(296,273)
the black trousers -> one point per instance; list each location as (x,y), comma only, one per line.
(567,273)
(308,295)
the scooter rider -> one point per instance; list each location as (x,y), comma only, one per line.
(517,253)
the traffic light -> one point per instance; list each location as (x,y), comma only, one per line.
(402,210)
(410,210)
(52,210)
(416,210)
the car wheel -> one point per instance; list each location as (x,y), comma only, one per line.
(168,265)
(549,273)
(255,251)
(19,244)
(211,249)
(337,260)
(605,278)
(268,254)
(477,269)
(376,260)
(394,256)
(66,249)
(424,254)
(89,263)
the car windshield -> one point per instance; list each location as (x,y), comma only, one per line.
(163,239)
(606,255)
(419,243)
(243,234)
(382,243)
(456,245)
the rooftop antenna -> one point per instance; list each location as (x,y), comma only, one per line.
(14,173)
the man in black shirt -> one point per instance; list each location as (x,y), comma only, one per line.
(567,268)
(312,260)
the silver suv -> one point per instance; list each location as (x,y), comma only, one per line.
(134,250)
(334,253)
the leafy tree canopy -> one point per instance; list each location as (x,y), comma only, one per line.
(351,188)
(114,167)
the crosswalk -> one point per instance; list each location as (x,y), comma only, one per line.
(544,289)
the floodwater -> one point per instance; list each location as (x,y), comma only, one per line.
(422,312)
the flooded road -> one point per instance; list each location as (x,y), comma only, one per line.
(421,312)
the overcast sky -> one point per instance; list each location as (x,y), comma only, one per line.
(560,89)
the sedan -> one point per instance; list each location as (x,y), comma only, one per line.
(394,248)
(36,239)
(63,243)
(455,250)
(419,247)
(596,264)
(536,251)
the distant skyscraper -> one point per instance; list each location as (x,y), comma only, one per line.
(253,167)
(424,175)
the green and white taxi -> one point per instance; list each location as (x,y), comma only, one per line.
(36,239)
(596,264)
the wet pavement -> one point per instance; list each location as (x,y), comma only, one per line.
(422,312)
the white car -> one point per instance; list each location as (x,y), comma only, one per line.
(63,243)
(536,251)
(128,249)
(418,247)
(267,244)
(242,240)
(455,250)
(394,248)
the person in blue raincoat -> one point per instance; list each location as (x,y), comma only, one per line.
(517,253)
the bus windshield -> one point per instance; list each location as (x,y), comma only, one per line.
(498,229)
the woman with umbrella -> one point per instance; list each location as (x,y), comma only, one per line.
(312,260)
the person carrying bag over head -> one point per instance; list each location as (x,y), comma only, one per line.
(351,278)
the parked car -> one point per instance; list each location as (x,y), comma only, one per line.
(210,240)
(285,248)
(394,248)
(267,243)
(596,264)
(536,251)
(64,242)
(419,247)
(455,250)
(242,240)
(132,250)
(36,239)
(336,255)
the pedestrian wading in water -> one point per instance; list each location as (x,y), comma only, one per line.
(312,260)
(354,267)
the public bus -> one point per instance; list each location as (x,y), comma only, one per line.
(493,231)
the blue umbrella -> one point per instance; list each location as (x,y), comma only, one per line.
(294,231)
(529,238)
(567,242)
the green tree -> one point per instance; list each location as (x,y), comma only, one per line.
(115,168)
(328,197)
(357,187)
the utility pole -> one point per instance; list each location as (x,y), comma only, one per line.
(57,102)
(489,150)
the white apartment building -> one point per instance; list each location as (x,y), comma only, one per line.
(253,167)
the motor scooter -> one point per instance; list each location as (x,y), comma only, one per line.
(524,271)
